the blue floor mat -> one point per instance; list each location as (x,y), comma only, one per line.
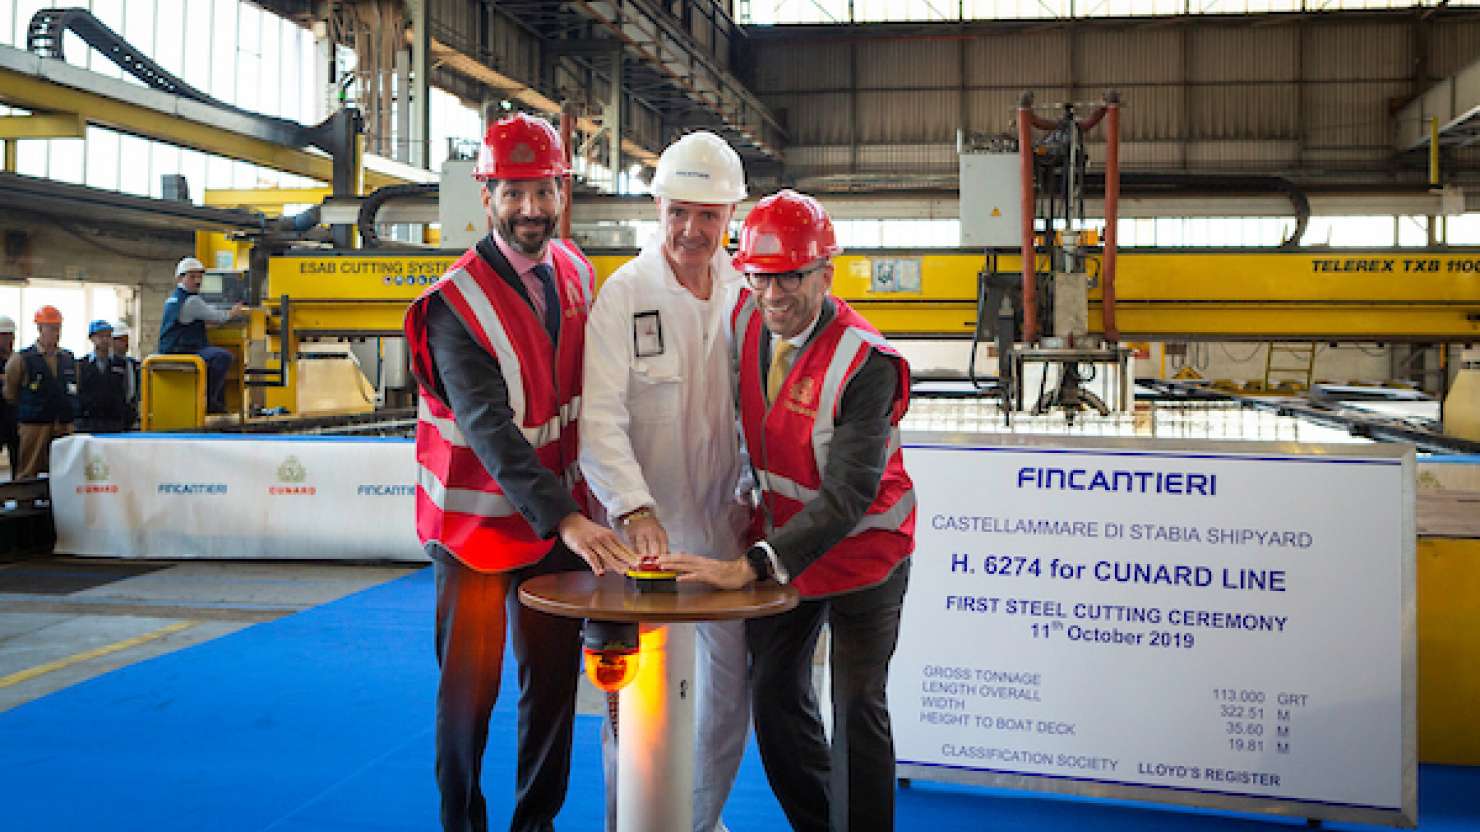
(323,721)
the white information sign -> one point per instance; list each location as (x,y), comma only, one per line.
(1227,625)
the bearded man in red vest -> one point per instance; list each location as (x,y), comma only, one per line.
(820,396)
(496,347)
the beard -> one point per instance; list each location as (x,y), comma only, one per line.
(509,230)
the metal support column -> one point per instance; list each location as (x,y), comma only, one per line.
(421,103)
(611,119)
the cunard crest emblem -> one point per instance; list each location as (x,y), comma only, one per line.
(96,470)
(292,471)
(522,154)
(804,391)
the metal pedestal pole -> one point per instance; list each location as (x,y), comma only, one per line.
(655,741)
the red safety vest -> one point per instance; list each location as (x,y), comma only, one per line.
(788,441)
(458,504)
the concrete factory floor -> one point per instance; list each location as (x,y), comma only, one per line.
(64,620)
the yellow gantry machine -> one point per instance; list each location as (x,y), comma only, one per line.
(1403,295)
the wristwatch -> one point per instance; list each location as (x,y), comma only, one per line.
(760,562)
(636,514)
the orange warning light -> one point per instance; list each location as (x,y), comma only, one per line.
(611,670)
(609,650)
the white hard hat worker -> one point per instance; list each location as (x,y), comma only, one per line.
(121,330)
(700,167)
(7,325)
(698,181)
(187,265)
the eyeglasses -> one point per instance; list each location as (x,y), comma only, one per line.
(785,281)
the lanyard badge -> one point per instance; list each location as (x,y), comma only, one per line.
(647,334)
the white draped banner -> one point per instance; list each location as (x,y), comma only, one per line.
(196,496)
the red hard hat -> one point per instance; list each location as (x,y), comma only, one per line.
(785,232)
(520,147)
(48,315)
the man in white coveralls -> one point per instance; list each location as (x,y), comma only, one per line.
(658,439)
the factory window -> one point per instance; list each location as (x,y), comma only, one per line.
(1462,230)
(230,49)
(78,304)
(1351,232)
(451,120)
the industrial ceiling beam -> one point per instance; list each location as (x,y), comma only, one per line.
(448,58)
(30,82)
(43,126)
(669,51)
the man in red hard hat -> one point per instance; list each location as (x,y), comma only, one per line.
(821,395)
(41,382)
(496,347)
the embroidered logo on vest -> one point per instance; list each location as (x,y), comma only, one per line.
(800,395)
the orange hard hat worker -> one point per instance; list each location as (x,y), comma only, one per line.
(520,147)
(49,315)
(785,232)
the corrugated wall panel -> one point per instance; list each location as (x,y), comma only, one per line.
(1243,53)
(1142,155)
(1146,113)
(929,158)
(909,63)
(1029,60)
(1127,56)
(907,116)
(813,118)
(1248,111)
(802,160)
(788,66)
(995,111)
(1235,155)
(512,50)
(1350,114)
(1344,51)
(1453,47)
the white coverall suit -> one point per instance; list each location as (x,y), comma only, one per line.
(659,429)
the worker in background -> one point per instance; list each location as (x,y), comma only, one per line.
(130,367)
(9,436)
(658,441)
(41,381)
(821,396)
(496,348)
(183,329)
(102,388)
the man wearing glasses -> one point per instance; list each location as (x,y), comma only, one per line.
(821,395)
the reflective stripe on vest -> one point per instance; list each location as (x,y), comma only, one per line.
(538,436)
(588,274)
(463,500)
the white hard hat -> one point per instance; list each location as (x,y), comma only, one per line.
(700,167)
(189,264)
(6,325)
(120,330)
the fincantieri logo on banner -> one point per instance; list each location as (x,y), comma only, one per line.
(96,474)
(291,478)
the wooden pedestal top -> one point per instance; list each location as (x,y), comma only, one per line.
(609,598)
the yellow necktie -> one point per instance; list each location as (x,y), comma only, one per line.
(780,362)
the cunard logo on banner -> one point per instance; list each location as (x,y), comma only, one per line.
(291,476)
(96,473)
